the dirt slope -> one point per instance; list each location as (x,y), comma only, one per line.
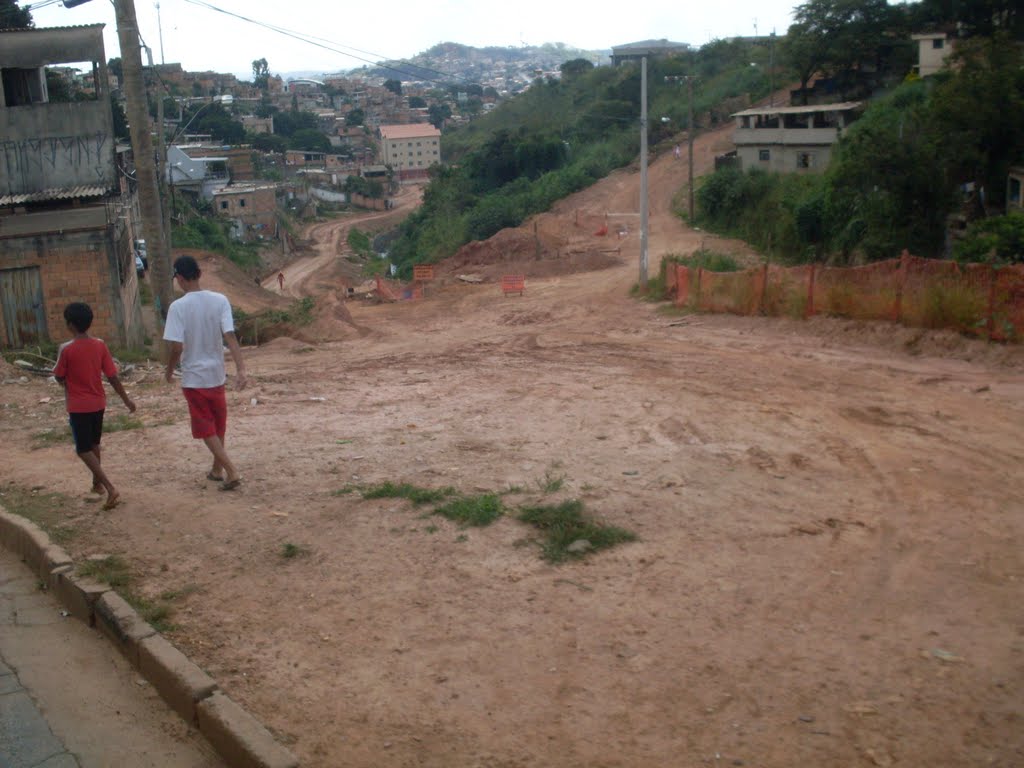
(828,567)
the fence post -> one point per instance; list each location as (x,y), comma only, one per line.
(992,272)
(810,292)
(700,275)
(901,279)
(762,289)
(682,285)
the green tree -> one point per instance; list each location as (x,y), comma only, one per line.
(309,140)
(260,73)
(417,102)
(438,113)
(395,86)
(14,17)
(114,67)
(269,142)
(576,67)
(355,117)
(120,119)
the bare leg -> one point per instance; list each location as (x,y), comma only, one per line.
(220,458)
(92,461)
(97,483)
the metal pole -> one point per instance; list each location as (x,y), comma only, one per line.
(142,145)
(689,142)
(643,173)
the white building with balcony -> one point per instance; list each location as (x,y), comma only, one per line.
(791,139)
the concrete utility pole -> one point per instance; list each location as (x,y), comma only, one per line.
(142,144)
(161,165)
(643,173)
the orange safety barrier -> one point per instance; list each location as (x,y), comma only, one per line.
(971,298)
(513,284)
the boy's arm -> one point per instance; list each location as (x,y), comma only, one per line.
(119,388)
(236,354)
(173,356)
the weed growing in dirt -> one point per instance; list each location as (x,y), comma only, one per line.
(111,570)
(290,551)
(415,494)
(569,533)
(51,436)
(551,483)
(472,510)
(431,529)
(461,538)
(43,509)
(116,573)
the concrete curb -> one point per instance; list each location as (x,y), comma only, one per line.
(239,739)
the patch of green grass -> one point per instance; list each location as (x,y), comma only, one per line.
(703,258)
(156,613)
(513,489)
(345,491)
(136,355)
(431,529)
(51,436)
(566,523)
(122,422)
(111,570)
(42,508)
(461,538)
(181,593)
(290,551)
(472,510)
(413,493)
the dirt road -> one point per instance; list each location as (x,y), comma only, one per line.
(828,568)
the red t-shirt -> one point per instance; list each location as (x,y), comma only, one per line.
(81,363)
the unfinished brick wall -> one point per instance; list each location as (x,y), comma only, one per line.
(80,266)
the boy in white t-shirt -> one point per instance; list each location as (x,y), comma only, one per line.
(198,326)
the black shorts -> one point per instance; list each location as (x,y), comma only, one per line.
(87,429)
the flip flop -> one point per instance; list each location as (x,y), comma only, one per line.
(111,503)
(230,485)
(215,478)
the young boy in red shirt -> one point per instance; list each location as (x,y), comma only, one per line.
(80,364)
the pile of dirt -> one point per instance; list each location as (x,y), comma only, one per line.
(224,276)
(519,251)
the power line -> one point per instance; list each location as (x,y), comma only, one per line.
(320,42)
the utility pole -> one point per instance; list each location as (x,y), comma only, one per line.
(161,165)
(643,173)
(689,135)
(689,140)
(142,144)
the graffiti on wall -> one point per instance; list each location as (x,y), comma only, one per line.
(32,165)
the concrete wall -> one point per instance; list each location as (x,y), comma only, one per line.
(46,145)
(784,159)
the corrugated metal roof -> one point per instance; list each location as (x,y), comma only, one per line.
(841,107)
(67,193)
(50,29)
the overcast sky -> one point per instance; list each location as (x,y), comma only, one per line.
(365,32)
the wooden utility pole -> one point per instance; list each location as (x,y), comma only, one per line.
(689,139)
(142,145)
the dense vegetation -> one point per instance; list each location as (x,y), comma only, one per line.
(562,135)
(919,153)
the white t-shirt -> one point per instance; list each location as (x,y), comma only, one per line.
(199,320)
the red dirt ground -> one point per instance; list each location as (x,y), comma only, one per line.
(828,569)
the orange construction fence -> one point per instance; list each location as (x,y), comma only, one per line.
(975,299)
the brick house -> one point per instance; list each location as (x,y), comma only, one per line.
(251,208)
(66,203)
(410,149)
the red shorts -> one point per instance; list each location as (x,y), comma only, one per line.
(209,412)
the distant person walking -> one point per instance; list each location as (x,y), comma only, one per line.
(280,281)
(199,324)
(676,152)
(81,363)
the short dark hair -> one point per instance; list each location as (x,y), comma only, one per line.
(78,315)
(187,267)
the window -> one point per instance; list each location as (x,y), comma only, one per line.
(241,203)
(937,43)
(764,155)
(1015,191)
(805,160)
(223,205)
